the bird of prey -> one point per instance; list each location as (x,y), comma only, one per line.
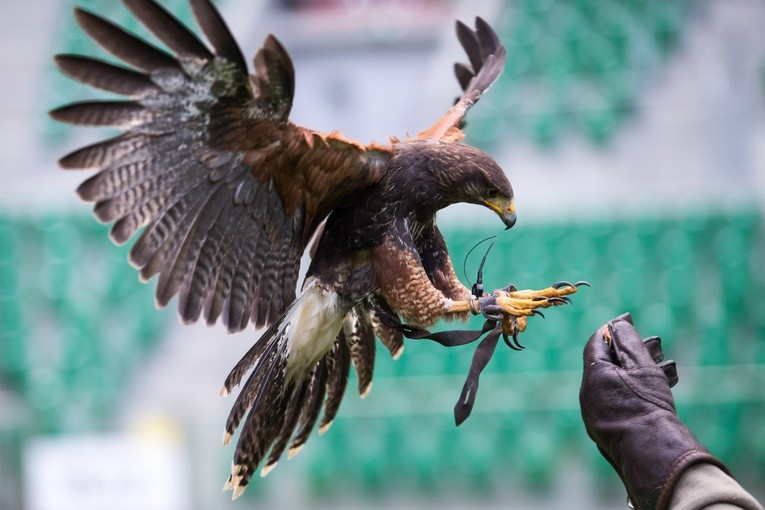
(228,194)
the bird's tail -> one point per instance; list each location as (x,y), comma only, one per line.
(299,364)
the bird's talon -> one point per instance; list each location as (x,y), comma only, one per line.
(512,307)
(582,283)
(515,344)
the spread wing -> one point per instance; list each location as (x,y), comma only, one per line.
(228,190)
(487,58)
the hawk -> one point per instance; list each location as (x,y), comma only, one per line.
(227,194)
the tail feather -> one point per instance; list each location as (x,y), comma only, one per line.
(299,366)
(259,431)
(293,364)
(292,414)
(268,340)
(314,400)
(360,337)
(338,366)
(259,389)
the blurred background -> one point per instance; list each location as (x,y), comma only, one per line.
(634,135)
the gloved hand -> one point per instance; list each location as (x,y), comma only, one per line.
(629,412)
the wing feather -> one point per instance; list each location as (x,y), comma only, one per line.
(115,180)
(177,267)
(244,281)
(168,29)
(158,232)
(101,155)
(173,240)
(103,113)
(487,58)
(221,287)
(469,41)
(182,276)
(105,76)
(463,73)
(487,39)
(217,33)
(207,266)
(155,202)
(122,44)
(227,190)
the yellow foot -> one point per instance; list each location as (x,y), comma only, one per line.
(524,303)
(512,307)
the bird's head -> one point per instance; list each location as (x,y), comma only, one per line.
(496,193)
(462,173)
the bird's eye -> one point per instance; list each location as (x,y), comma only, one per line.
(495,194)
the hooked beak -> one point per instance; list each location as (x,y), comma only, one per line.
(505,208)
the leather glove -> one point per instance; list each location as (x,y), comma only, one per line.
(629,412)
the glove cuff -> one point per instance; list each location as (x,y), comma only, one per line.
(658,499)
(650,468)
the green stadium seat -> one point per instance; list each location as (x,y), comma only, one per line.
(60,303)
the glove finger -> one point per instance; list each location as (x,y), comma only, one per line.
(630,350)
(597,349)
(670,370)
(627,317)
(653,344)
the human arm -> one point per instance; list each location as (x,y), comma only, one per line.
(707,486)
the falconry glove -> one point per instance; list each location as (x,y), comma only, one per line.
(629,412)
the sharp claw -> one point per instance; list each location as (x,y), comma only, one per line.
(514,345)
(558,285)
(557,300)
(516,342)
(582,283)
(537,312)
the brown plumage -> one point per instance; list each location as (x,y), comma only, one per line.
(226,193)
